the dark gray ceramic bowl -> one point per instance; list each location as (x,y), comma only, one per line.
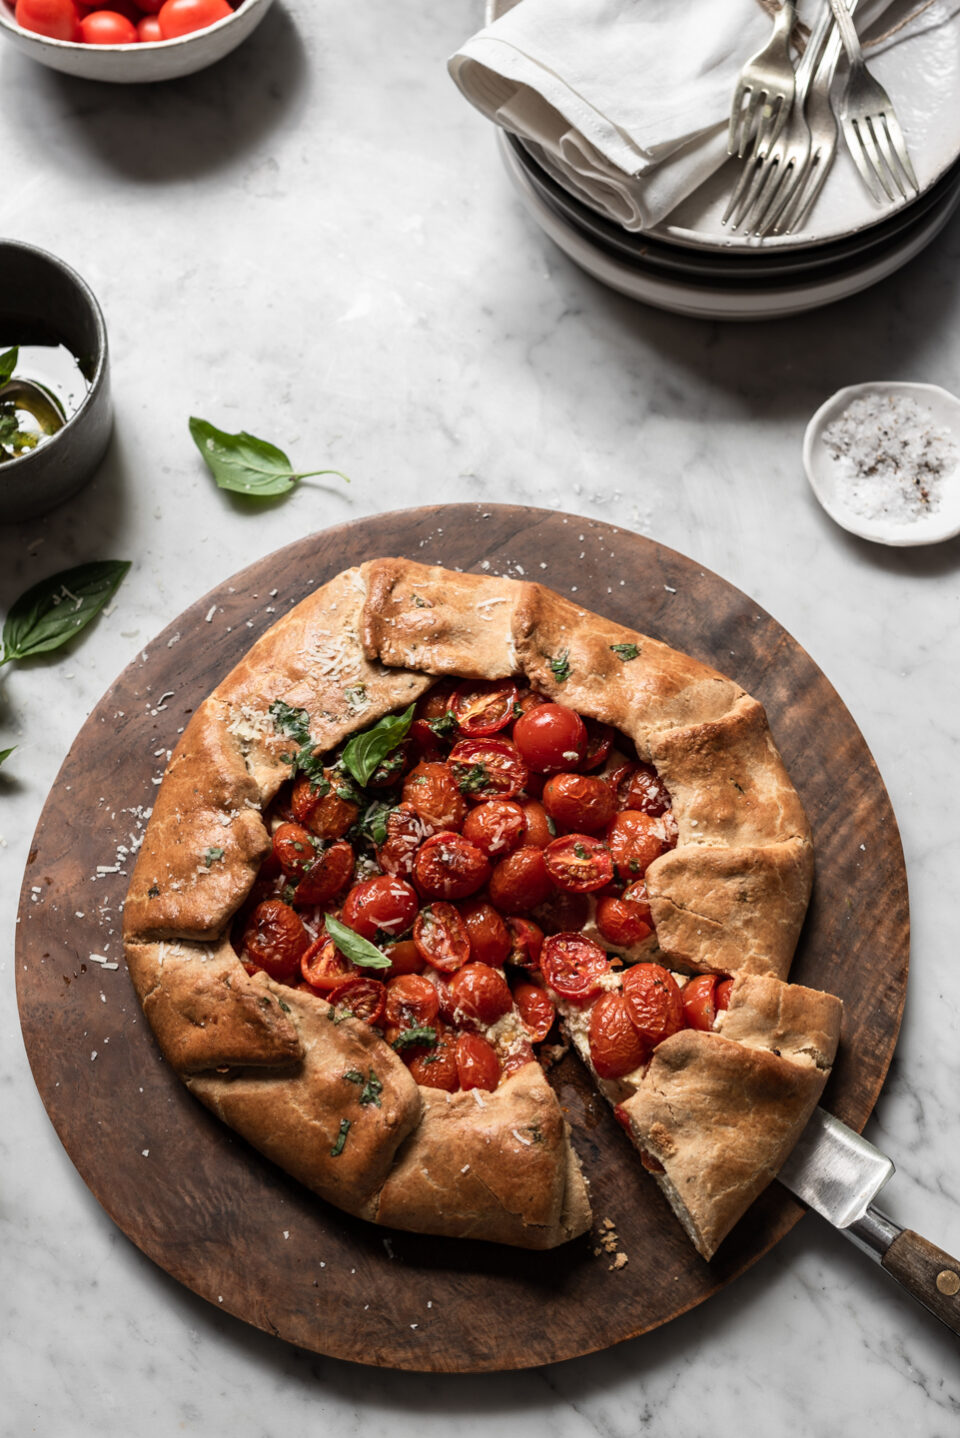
(42,300)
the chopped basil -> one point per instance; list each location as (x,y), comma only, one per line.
(625,652)
(424,1034)
(560,667)
(337,1149)
(294,723)
(354,947)
(285,1007)
(445,727)
(373,825)
(212,855)
(471,778)
(365,751)
(420,603)
(370,1088)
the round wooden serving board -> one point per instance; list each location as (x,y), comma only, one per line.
(239,1232)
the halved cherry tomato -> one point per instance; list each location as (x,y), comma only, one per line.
(551,738)
(108,27)
(436,701)
(477,1063)
(275,939)
(528,698)
(635,840)
(483,706)
(480,994)
(654,1000)
(412,1002)
(520,881)
(405,958)
(365,998)
(441,938)
(700,1002)
(182,17)
(448,866)
(328,875)
(324,814)
(537,1010)
(574,966)
(497,826)
(431,790)
(392,769)
(578,863)
(616,1048)
(406,831)
(323,966)
(434,1065)
(489,936)
(579,802)
(647,791)
(599,743)
(57,19)
(487,768)
(380,905)
(625,920)
(521,1053)
(526,941)
(540,827)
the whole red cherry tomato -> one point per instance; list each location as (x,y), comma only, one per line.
(405,958)
(574,966)
(448,866)
(275,939)
(616,1048)
(540,827)
(551,738)
(364,998)
(436,701)
(57,19)
(579,802)
(724,990)
(293,849)
(434,1065)
(497,826)
(148,29)
(431,790)
(520,881)
(477,1063)
(578,863)
(702,1000)
(654,1001)
(489,936)
(625,920)
(441,938)
(380,905)
(182,17)
(635,840)
(324,814)
(406,831)
(412,1002)
(520,1054)
(487,768)
(537,1010)
(482,707)
(480,994)
(328,875)
(647,792)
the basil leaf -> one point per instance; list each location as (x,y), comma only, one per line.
(53,611)
(365,751)
(337,1149)
(560,667)
(247,465)
(5,753)
(425,1035)
(8,363)
(354,947)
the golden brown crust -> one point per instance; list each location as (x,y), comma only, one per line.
(731,896)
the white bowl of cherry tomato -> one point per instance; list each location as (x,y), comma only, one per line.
(129,41)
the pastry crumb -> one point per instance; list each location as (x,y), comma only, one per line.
(620,1261)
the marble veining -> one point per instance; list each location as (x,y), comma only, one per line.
(315,241)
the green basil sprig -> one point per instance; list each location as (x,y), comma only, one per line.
(247,465)
(52,612)
(365,751)
(354,947)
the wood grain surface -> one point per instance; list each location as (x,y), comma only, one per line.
(219,1217)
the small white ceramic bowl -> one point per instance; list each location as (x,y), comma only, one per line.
(137,64)
(826,473)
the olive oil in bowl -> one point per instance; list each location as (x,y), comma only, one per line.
(41,386)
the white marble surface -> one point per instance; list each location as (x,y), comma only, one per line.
(315,241)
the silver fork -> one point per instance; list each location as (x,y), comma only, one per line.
(823,129)
(765,89)
(771,167)
(870,126)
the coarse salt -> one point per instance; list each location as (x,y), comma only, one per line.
(892,457)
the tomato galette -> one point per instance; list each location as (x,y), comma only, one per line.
(433,828)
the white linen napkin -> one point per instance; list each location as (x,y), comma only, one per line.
(626,102)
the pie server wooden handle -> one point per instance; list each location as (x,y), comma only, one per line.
(928,1273)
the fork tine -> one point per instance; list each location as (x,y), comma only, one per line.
(780,201)
(770,183)
(859,156)
(736,107)
(757,172)
(740,189)
(882,140)
(874,157)
(899,146)
(747,126)
(804,196)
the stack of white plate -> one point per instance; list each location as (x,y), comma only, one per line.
(691,264)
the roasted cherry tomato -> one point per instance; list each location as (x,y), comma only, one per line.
(540,827)
(489,936)
(701,1000)
(435,703)
(616,1048)
(448,866)
(434,1065)
(625,920)
(441,937)
(724,990)
(635,840)
(427,743)
(521,1053)
(483,707)
(365,999)
(520,881)
(537,1010)
(578,863)
(57,19)
(405,958)
(392,769)
(275,939)
(498,826)
(324,814)
(528,698)
(412,1002)
(480,994)
(323,966)
(328,875)
(477,1063)
(108,27)
(599,743)
(526,941)
(182,17)
(654,1000)
(487,768)
(431,790)
(574,967)
(293,849)
(406,831)
(551,738)
(579,802)
(647,792)
(383,905)
(564,913)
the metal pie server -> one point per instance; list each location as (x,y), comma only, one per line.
(836,1172)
